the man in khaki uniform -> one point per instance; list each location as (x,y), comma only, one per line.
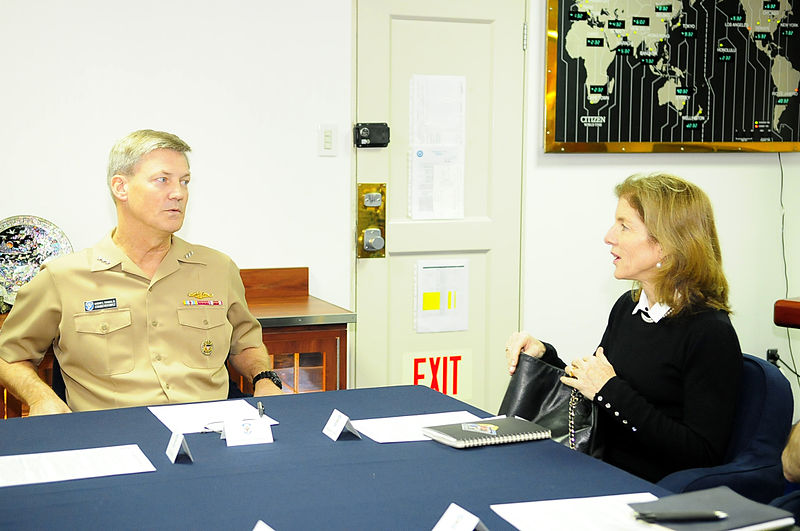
(143,317)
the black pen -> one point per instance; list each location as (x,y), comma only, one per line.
(680,516)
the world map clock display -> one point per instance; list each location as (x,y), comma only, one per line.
(675,71)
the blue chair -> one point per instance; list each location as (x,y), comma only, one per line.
(752,465)
(789,502)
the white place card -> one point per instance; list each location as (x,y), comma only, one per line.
(239,432)
(178,446)
(261,526)
(456,518)
(337,424)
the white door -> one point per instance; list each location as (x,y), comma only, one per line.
(448,78)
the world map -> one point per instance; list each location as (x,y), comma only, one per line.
(677,71)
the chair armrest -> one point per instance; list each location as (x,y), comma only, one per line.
(758,482)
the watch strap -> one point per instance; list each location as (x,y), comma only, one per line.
(272,375)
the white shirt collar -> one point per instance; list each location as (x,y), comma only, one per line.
(650,314)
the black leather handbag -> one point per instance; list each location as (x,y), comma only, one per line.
(536,393)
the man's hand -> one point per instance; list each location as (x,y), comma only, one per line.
(50,406)
(21,380)
(266,387)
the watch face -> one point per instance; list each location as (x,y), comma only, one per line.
(26,242)
(272,375)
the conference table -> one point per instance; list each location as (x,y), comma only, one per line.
(304,480)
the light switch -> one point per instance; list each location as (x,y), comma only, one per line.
(326,140)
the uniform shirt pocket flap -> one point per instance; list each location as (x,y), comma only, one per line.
(204,318)
(102,323)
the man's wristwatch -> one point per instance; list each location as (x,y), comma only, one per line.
(272,375)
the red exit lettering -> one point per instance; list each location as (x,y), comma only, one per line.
(437,372)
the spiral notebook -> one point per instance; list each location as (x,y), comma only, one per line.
(487,431)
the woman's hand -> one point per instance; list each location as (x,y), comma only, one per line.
(525,343)
(588,375)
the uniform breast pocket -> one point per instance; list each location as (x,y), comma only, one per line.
(105,342)
(206,337)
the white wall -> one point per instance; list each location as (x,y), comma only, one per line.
(244,82)
(569,205)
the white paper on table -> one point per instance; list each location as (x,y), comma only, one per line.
(408,428)
(27,469)
(601,513)
(204,416)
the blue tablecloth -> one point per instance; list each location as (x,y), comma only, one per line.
(302,481)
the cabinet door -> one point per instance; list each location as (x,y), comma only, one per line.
(304,365)
(307,358)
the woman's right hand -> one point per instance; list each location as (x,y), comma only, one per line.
(525,343)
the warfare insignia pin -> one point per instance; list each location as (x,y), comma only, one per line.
(207,348)
(200,294)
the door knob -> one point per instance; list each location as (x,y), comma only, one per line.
(373,241)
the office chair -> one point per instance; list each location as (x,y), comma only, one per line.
(752,465)
(789,502)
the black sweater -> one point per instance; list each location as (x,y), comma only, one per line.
(672,403)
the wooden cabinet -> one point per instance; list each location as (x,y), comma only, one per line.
(306,337)
(307,358)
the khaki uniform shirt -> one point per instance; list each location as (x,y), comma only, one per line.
(125,340)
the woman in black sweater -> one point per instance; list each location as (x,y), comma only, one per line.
(666,374)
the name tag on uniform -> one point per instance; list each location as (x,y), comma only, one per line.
(100,304)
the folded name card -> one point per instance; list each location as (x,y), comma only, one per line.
(456,518)
(337,424)
(178,446)
(239,432)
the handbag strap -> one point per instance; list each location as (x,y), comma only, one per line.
(574,397)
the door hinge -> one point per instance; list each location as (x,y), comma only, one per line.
(524,36)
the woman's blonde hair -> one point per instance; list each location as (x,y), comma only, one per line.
(678,216)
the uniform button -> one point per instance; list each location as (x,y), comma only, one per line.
(104,327)
(616,413)
(608,406)
(158,357)
(205,321)
(624,421)
(154,323)
(633,428)
(167,386)
(599,398)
